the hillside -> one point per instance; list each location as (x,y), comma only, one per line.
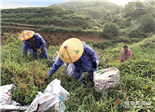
(56,24)
(94,9)
(53,23)
(45,16)
(82,5)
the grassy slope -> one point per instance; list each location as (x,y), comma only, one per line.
(83,5)
(136,76)
(45,16)
(96,10)
(52,22)
(70,15)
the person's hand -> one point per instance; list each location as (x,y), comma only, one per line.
(46,79)
(94,65)
(24,57)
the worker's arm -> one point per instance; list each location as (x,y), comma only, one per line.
(44,52)
(122,56)
(43,46)
(129,54)
(57,64)
(92,53)
(25,48)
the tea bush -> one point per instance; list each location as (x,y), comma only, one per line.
(110,30)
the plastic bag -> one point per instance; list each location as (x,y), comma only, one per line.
(55,87)
(6,88)
(106,78)
(5,99)
(12,108)
(43,102)
(5,94)
(52,96)
(6,102)
(60,107)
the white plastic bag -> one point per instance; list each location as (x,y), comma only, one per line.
(106,78)
(60,107)
(52,95)
(6,88)
(12,108)
(6,102)
(5,99)
(43,102)
(5,94)
(55,87)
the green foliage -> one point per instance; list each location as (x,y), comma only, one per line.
(110,30)
(150,10)
(133,10)
(148,23)
(136,33)
(140,68)
(102,45)
(148,42)
(95,10)
(45,16)
(124,23)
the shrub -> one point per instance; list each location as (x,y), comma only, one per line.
(110,30)
(136,34)
(148,24)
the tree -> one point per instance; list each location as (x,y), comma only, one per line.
(110,30)
(134,10)
(148,23)
(128,10)
(150,10)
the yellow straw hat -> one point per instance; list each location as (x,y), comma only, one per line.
(71,50)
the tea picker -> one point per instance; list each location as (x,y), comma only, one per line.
(33,42)
(79,58)
(125,54)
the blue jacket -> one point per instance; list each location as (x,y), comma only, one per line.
(38,42)
(89,56)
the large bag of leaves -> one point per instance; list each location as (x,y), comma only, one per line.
(106,78)
(53,95)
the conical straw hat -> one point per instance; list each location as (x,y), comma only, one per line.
(71,50)
(25,35)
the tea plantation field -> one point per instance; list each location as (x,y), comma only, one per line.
(137,76)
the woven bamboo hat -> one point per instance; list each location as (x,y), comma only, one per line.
(25,35)
(71,50)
